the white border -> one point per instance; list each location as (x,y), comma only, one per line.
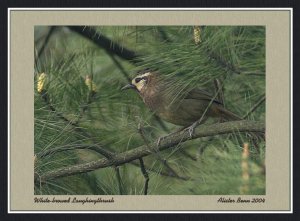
(8,110)
(291,106)
(151,9)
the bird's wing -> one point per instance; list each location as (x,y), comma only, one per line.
(199,94)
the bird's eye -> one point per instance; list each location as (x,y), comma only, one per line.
(137,80)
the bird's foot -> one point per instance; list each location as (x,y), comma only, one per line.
(191,129)
(159,140)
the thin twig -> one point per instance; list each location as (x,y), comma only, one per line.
(222,62)
(199,121)
(219,91)
(46,98)
(185,153)
(161,172)
(155,152)
(258,73)
(85,106)
(118,175)
(145,174)
(261,100)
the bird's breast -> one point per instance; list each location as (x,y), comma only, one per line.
(162,107)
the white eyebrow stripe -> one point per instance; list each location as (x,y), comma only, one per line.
(144,75)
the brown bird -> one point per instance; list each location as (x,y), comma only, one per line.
(183,110)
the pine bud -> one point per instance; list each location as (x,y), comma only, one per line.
(245,169)
(197,34)
(90,84)
(41,82)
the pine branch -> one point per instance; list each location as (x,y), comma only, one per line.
(99,149)
(95,147)
(44,95)
(106,43)
(142,151)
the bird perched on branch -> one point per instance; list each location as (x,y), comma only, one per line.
(193,106)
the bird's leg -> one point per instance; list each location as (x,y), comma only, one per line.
(158,141)
(161,138)
(191,131)
(191,128)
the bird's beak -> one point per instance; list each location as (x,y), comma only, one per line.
(128,86)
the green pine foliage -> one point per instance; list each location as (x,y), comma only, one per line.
(69,117)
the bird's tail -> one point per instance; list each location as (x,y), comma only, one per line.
(228,115)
